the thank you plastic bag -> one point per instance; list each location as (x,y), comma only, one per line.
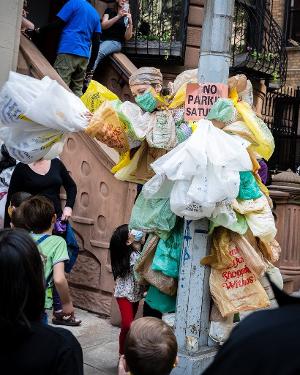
(236,288)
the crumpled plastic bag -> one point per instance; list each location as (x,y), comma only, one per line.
(107,128)
(249,188)
(140,121)
(168,252)
(205,170)
(222,110)
(96,94)
(264,139)
(152,215)
(163,131)
(239,226)
(236,288)
(145,274)
(219,256)
(262,223)
(251,257)
(34,115)
(270,250)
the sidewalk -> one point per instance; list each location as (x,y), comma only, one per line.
(99,342)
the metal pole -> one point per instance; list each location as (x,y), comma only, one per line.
(193,300)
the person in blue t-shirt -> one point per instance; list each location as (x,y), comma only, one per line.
(79,41)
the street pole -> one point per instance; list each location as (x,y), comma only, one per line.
(193,298)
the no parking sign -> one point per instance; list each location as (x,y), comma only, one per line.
(201,97)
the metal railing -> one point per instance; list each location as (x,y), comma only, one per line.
(160,28)
(281,114)
(258,46)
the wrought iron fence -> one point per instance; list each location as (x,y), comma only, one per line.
(281,113)
(258,43)
(160,28)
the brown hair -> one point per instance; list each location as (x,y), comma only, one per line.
(17,218)
(35,214)
(150,347)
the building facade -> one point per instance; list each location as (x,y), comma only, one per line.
(287,15)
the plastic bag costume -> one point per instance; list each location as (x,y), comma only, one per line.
(206,169)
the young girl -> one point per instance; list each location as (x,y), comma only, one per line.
(125,249)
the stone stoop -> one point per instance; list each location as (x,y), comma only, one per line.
(288,284)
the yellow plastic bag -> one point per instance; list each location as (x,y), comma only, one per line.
(263,136)
(107,128)
(122,163)
(236,288)
(96,94)
(179,98)
(126,173)
(219,257)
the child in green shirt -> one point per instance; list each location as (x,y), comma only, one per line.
(37,215)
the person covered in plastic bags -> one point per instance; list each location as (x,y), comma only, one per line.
(142,131)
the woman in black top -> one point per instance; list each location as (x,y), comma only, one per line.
(28,346)
(116,28)
(44,177)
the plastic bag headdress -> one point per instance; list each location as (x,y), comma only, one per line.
(146,75)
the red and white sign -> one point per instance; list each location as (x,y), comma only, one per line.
(201,97)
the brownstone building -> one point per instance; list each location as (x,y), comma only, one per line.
(287,15)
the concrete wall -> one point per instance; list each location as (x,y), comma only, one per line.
(10,23)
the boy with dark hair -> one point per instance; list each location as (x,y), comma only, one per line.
(37,215)
(150,348)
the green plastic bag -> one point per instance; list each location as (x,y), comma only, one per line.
(167,254)
(249,188)
(152,215)
(222,110)
(160,301)
(239,227)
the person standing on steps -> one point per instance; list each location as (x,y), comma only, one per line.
(79,41)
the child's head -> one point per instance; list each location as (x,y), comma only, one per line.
(16,199)
(122,244)
(37,214)
(150,347)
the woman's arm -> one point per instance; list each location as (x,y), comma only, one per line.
(128,33)
(107,23)
(71,191)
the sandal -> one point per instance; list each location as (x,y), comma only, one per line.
(62,319)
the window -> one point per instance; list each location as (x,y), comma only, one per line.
(293,24)
(160,28)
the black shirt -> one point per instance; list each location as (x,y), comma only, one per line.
(48,185)
(264,343)
(44,350)
(117,30)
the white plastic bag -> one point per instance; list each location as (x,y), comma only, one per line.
(140,120)
(184,206)
(34,115)
(30,145)
(205,169)
(57,108)
(262,223)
